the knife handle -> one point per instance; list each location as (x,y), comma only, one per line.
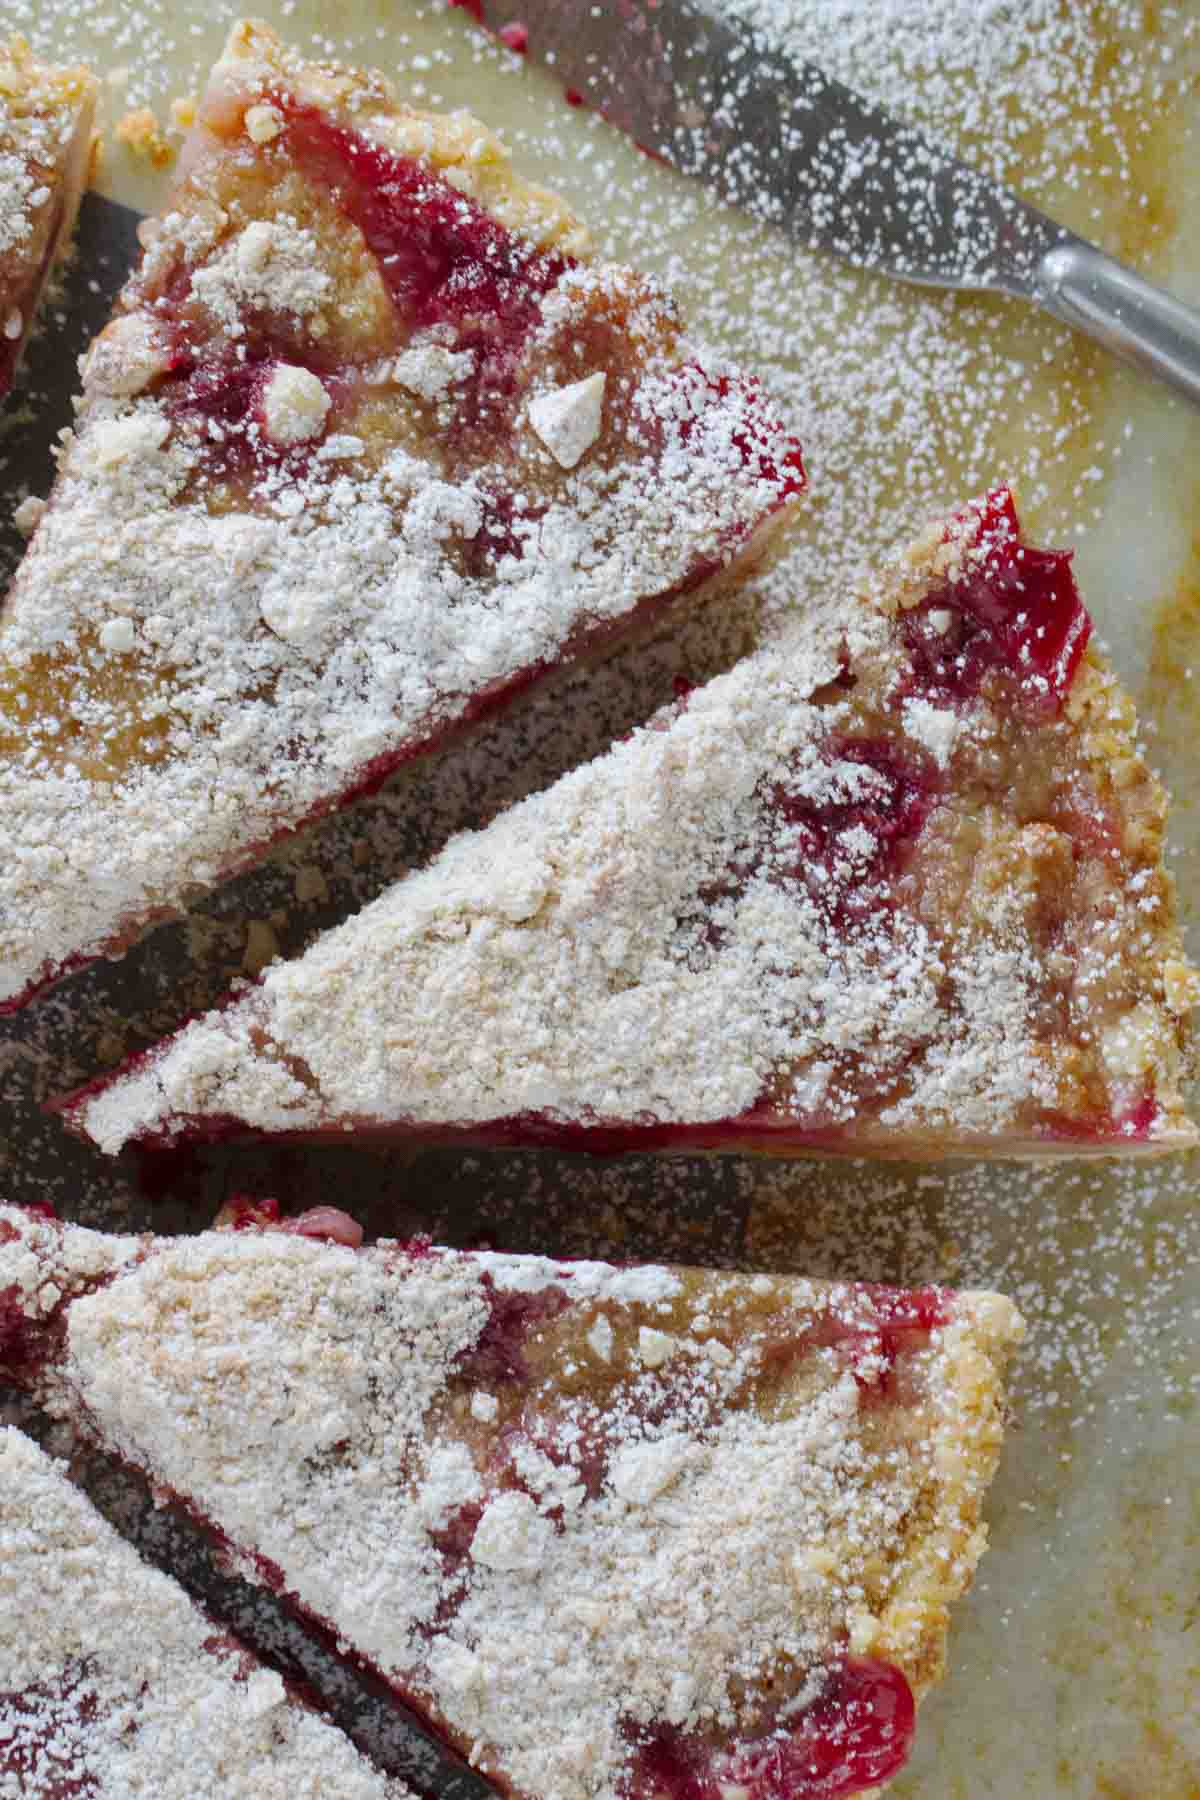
(1139,322)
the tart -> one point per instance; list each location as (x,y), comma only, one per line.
(901,894)
(371,444)
(45,154)
(649,1532)
(114,1683)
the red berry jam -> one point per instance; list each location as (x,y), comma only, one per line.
(904,1318)
(789,469)
(1138,1120)
(498,1353)
(857,1733)
(581,1442)
(892,810)
(893,1321)
(221,395)
(444,260)
(1133,1123)
(18,1349)
(41,1732)
(454,1538)
(515,36)
(1017,612)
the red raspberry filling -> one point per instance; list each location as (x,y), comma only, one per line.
(497,1355)
(46,1726)
(858,1732)
(329,1224)
(898,1320)
(222,395)
(444,260)
(892,810)
(790,471)
(1016,611)
(446,263)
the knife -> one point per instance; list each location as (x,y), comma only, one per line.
(780,138)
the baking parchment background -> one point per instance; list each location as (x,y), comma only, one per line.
(1076,1660)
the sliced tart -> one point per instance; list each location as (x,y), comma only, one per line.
(45,154)
(650,1532)
(902,896)
(371,444)
(114,1683)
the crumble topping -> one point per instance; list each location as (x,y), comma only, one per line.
(889,894)
(272,263)
(31,141)
(306,485)
(113,1683)
(568,420)
(593,1554)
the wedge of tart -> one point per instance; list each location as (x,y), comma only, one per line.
(45,153)
(371,444)
(903,896)
(114,1683)
(648,1532)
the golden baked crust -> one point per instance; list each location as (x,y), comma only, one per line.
(593,1522)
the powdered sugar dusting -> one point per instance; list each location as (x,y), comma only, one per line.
(36,128)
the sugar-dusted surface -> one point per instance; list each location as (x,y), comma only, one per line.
(45,151)
(567,1509)
(113,1683)
(1074,1669)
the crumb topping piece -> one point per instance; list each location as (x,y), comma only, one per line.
(568,420)
(309,477)
(739,1525)
(903,894)
(114,1683)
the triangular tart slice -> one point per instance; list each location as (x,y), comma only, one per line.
(649,1533)
(371,444)
(45,153)
(114,1683)
(903,896)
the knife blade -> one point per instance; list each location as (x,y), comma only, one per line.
(780,138)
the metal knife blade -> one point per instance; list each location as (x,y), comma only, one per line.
(780,138)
